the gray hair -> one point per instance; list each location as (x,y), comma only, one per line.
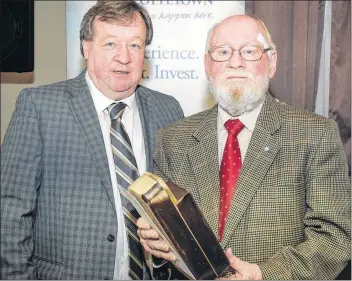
(267,35)
(121,12)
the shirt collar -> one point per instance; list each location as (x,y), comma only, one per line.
(248,118)
(101,101)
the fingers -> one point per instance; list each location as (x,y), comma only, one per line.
(239,277)
(159,254)
(244,270)
(147,234)
(232,259)
(158,245)
(235,262)
(239,265)
(152,242)
(141,223)
(228,253)
(159,249)
(145,231)
(231,277)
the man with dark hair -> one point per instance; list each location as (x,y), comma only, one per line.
(71,150)
(270,179)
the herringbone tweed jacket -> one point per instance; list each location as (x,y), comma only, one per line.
(291,209)
(57,204)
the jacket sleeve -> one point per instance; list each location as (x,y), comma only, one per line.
(327,245)
(21,154)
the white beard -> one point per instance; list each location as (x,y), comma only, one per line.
(237,98)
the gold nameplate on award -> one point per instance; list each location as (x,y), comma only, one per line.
(172,212)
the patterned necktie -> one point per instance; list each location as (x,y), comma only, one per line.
(230,169)
(126,172)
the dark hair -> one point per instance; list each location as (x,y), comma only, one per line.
(123,12)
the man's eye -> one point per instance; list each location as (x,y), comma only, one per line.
(223,52)
(135,46)
(248,52)
(110,44)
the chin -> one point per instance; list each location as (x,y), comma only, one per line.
(122,88)
(236,94)
(239,99)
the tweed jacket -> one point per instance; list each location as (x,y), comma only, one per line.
(290,213)
(58,213)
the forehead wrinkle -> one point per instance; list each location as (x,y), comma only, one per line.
(251,41)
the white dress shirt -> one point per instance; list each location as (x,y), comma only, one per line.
(132,123)
(248,119)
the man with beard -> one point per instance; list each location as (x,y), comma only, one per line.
(271,180)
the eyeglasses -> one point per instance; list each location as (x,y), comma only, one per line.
(248,53)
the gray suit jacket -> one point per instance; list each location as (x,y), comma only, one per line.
(291,209)
(57,203)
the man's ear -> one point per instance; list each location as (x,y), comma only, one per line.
(272,64)
(85,45)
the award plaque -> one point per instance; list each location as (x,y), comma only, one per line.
(172,212)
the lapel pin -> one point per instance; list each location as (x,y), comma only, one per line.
(266,148)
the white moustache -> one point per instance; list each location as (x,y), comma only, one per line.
(242,74)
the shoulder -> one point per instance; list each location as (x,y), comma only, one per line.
(297,117)
(180,135)
(301,125)
(57,86)
(52,91)
(166,107)
(155,95)
(185,126)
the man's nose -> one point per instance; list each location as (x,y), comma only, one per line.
(123,55)
(236,61)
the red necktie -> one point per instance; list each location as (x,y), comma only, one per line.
(229,171)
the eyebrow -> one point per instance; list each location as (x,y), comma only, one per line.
(248,42)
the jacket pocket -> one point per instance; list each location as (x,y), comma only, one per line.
(47,269)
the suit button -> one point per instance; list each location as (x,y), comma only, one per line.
(111,238)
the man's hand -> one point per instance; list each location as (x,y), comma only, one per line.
(244,270)
(152,242)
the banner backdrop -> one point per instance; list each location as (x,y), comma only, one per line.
(174,61)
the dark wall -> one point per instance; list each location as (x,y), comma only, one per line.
(296,28)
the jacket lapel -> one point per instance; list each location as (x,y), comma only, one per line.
(84,111)
(261,152)
(203,157)
(146,110)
